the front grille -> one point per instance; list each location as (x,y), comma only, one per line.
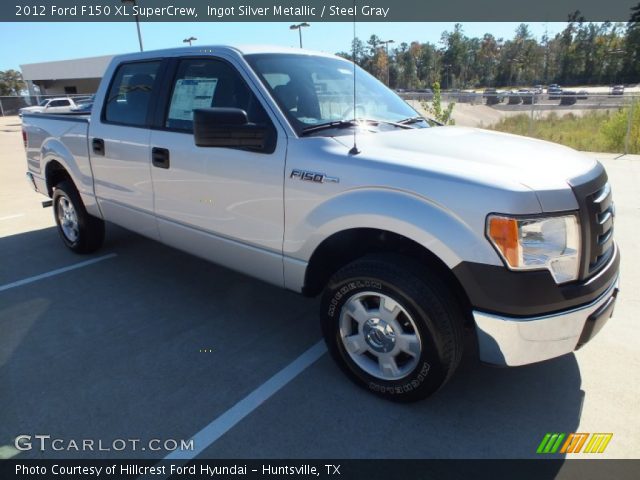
(597,214)
(601,213)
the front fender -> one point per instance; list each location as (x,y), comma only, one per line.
(431,225)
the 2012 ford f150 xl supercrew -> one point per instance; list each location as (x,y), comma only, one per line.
(265,161)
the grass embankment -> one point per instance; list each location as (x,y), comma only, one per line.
(593,132)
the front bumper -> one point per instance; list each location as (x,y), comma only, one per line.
(512,341)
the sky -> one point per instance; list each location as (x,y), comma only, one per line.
(22,43)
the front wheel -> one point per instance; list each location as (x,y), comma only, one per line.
(393,328)
(81,232)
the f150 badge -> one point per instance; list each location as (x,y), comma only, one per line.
(312,176)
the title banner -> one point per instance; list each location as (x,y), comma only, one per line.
(311,10)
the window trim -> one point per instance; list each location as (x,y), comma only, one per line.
(160,73)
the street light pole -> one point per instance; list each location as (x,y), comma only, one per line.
(133,2)
(386,44)
(299,27)
(189,40)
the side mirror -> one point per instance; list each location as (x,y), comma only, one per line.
(227,127)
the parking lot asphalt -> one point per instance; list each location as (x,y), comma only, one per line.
(152,343)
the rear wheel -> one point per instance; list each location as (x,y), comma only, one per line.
(81,232)
(392,327)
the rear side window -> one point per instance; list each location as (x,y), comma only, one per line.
(130,93)
(204,83)
(59,103)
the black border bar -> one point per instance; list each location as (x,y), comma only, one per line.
(534,469)
(314,10)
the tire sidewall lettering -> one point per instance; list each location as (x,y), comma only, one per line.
(409,386)
(349,287)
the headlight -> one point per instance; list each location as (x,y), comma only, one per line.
(538,243)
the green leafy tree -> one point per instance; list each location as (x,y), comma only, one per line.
(631,67)
(11,82)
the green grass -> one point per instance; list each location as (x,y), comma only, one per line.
(595,131)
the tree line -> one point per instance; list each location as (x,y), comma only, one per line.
(584,53)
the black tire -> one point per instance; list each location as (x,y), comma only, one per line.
(90,229)
(426,300)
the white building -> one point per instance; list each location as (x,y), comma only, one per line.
(66,77)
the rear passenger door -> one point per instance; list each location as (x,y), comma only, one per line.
(119,147)
(225,204)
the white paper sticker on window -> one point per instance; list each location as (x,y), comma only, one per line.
(191,93)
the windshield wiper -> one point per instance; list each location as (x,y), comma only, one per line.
(350,123)
(411,120)
(328,125)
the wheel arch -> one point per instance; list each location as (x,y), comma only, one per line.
(54,173)
(346,246)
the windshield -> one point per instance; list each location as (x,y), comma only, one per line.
(314,90)
(43,102)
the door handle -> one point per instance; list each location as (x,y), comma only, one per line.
(97,144)
(160,157)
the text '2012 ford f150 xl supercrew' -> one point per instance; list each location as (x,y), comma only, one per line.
(247,157)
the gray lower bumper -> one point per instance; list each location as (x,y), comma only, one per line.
(509,341)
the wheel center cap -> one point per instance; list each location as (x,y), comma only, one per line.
(379,335)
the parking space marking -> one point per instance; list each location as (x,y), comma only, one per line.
(225,422)
(9,217)
(58,271)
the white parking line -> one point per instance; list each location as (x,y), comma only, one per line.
(9,217)
(52,273)
(225,422)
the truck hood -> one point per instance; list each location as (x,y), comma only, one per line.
(500,159)
(35,108)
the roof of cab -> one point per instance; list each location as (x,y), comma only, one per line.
(208,49)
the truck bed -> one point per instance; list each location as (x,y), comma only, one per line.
(66,134)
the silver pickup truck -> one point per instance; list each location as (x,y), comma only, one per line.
(264,160)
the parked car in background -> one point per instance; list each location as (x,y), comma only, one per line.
(568,97)
(538,89)
(528,96)
(491,96)
(84,105)
(582,95)
(617,90)
(513,98)
(554,91)
(50,105)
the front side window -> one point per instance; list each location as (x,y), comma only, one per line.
(314,90)
(206,83)
(130,93)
